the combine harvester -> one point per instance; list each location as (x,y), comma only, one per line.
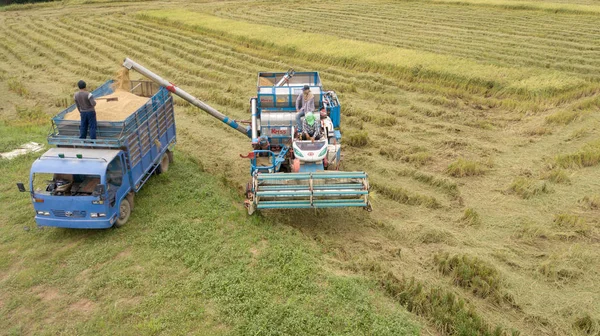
(288,173)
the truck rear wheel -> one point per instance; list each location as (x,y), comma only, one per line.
(124,212)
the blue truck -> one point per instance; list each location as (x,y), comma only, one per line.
(91,184)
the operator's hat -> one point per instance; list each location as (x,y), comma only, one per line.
(306,87)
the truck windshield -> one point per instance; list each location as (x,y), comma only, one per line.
(65,184)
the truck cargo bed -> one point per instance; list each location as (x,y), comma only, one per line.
(145,135)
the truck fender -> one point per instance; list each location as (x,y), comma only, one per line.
(130,198)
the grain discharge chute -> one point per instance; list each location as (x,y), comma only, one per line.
(287,172)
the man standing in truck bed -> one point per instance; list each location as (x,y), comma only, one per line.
(85,104)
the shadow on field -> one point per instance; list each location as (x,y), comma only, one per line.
(321,220)
(76,235)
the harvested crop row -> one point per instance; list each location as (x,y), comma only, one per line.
(508,41)
(442,70)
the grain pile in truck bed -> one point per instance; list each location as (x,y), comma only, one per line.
(265,82)
(114,110)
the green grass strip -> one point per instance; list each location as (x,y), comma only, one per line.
(189,261)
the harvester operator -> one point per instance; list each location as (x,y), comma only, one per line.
(304,103)
(85,103)
(311,128)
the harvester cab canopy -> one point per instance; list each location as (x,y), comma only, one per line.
(276,104)
(279,90)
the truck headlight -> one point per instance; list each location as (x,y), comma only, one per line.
(98,202)
(43,213)
(94,214)
(101,214)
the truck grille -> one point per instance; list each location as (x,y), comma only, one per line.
(73,214)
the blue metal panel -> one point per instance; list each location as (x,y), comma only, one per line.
(311,167)
(57,206)
(335,116)
(101,223)
(307,204)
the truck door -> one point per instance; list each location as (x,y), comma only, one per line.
(117,185)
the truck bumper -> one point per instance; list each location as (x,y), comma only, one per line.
(75,223)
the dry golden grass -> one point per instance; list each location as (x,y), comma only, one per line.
(587,156)
(463,168)
(527,188)
(16,86)
(358,139)
(471,217)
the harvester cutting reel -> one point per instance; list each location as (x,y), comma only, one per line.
(307,190)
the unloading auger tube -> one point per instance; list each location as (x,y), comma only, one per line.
(129,64)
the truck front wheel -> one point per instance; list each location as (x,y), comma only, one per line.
(124,212)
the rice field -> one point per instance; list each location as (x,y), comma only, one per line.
(522,38)
(477,123)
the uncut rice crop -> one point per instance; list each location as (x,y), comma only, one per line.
(454,71)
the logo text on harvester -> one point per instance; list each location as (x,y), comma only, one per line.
(279,131)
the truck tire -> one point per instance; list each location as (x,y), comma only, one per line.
(124,213)
(130,199)
(163,166)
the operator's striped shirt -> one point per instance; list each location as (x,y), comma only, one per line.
(314,130)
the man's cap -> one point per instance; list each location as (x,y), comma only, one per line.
(310,118)
(263,140)
(81,84)
(306,87)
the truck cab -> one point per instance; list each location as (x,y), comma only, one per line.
(80,188)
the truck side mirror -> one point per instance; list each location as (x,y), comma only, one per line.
(21,187)
(99,190)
